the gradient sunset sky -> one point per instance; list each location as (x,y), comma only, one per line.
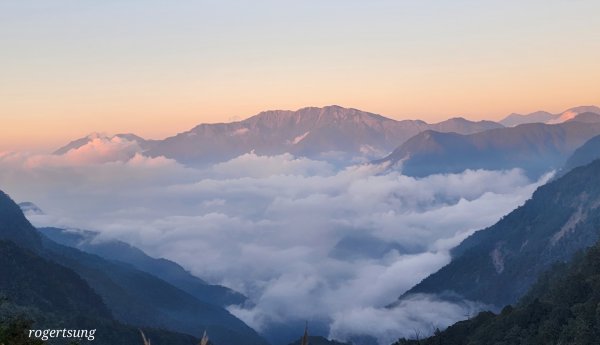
(155,68)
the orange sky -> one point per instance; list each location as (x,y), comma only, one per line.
(70,68)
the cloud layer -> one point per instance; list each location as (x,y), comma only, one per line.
(303,240)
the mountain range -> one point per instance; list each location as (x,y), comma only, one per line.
(529,267)
(536,148)
(537,142)
(121,294)
(546,117)
(332,132)
(499,264)
(496,266)
(39,293)
(169,271)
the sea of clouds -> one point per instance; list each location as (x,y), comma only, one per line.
(302,239)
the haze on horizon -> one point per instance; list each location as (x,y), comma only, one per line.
(70,68)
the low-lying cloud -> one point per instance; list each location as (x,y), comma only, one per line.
(303,240)
(415,317)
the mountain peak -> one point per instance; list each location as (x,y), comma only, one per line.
(515,119)
(344,135)
(326,111)
(14,226)
(78,143)
(584,109)
(587,117)
(457,118)
(308,118)
(571,113)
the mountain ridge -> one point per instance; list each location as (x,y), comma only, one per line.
(561,308)
(515,119)
(334,133)
(497,265)
(164,269)
(536,148)
(313,132)
(133,297)
(584,155)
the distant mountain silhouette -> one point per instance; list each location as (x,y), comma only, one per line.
(463,126)
(536,148)
(546,117)
(513,120)
(569,114)
(587,117)
(311,132)
(334,133)
(76,144)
